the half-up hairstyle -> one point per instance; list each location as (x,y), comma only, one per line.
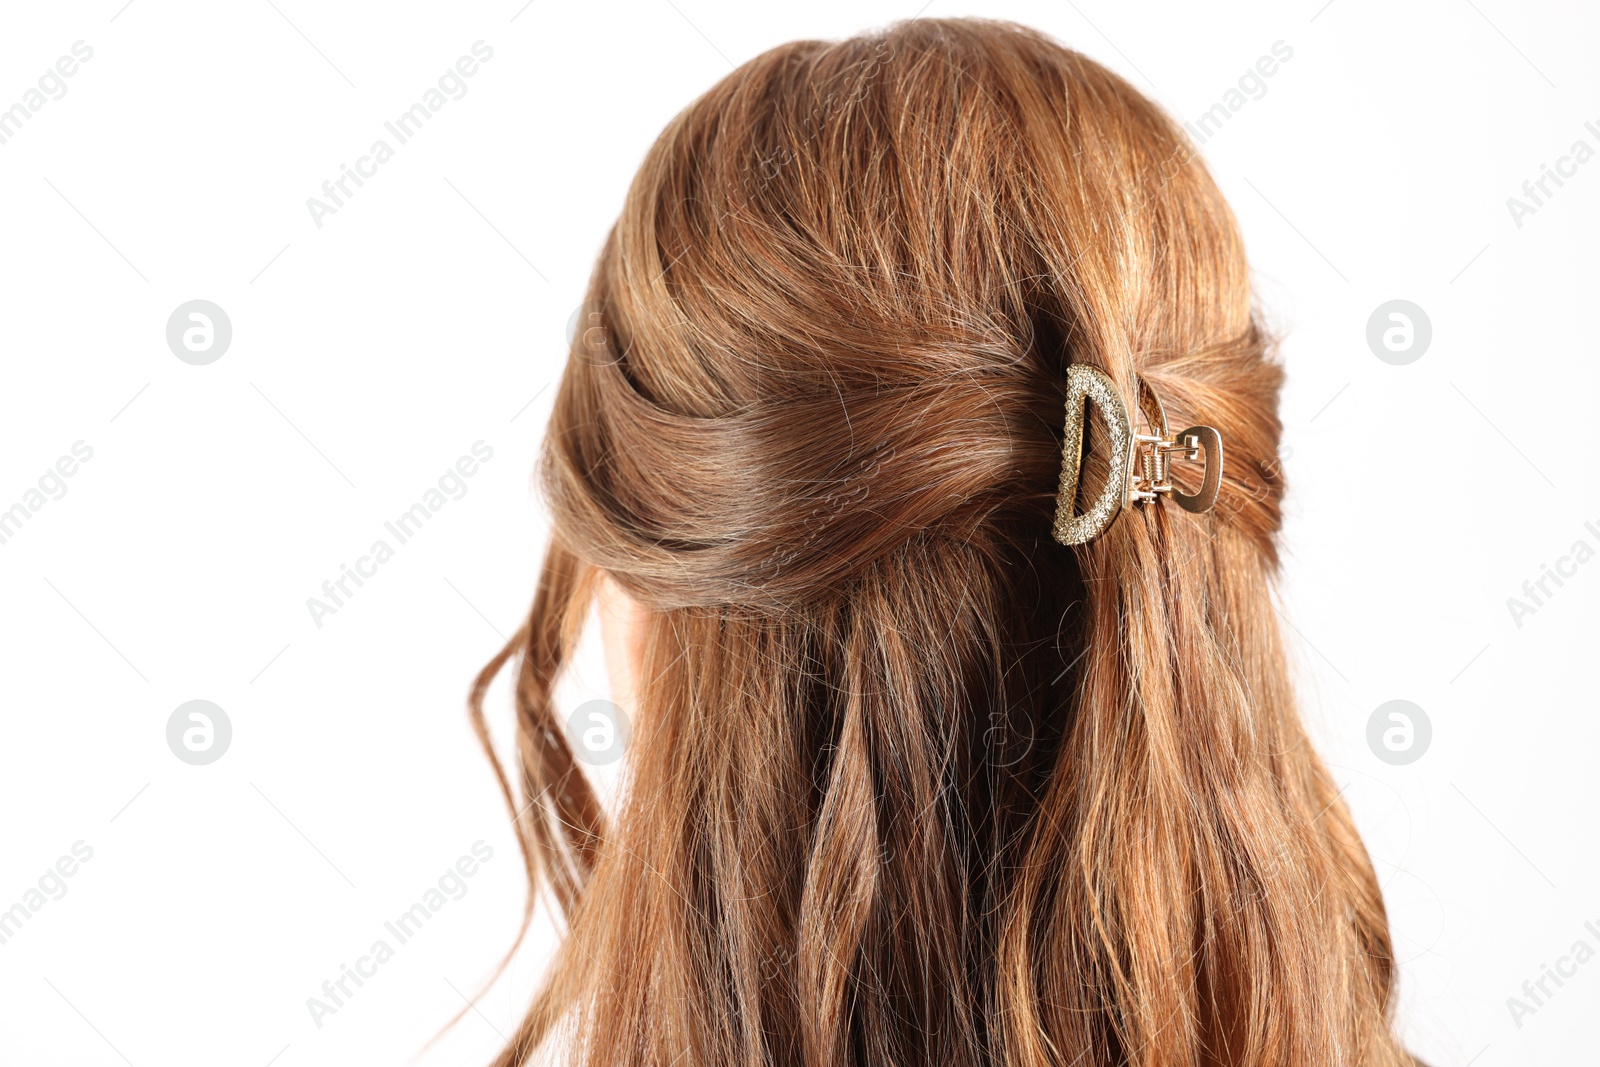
(910,783)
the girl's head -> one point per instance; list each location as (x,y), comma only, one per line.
(910,782)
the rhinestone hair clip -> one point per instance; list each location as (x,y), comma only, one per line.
(1139,462)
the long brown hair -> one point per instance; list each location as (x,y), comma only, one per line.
(911,783)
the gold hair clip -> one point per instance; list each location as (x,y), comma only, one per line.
(1139,462)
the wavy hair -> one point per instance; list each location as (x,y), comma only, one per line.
(911,783)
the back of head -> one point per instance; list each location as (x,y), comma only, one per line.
(910,782)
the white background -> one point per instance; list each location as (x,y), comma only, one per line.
(430,313)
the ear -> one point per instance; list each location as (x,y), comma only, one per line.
(622,622)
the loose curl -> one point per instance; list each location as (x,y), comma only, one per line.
(910,783)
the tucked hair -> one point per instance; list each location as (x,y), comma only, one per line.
(909,782)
